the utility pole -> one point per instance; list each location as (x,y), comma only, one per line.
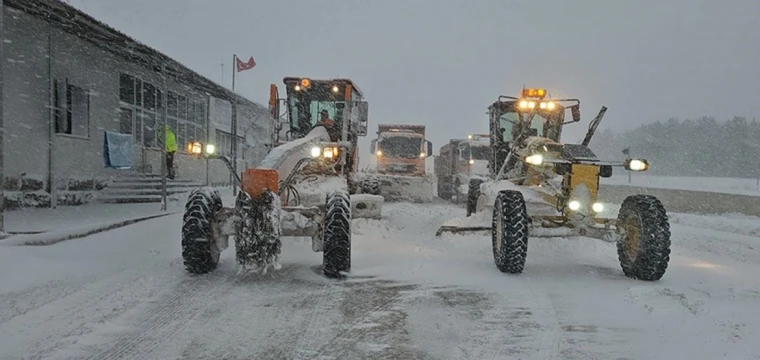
(2,127)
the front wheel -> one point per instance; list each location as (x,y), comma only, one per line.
(644,247)
(336,235)
(509,237)
(200,250)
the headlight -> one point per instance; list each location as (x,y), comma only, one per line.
(597,207)
(549,105)
(574,205)
(472,161)
(210,149)
(636,165)
(379,153)
(315,151)
(422,155)
(328,153)
(535,159)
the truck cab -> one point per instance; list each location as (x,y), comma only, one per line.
(401,149)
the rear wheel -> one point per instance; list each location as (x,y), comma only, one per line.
(200,251)
(444,188)
(371,186)
(644,248)
(336,257)
(473,193)
(509,236)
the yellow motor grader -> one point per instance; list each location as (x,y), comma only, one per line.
(304,186)
(540,187)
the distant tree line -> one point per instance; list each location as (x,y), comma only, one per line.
(700,147)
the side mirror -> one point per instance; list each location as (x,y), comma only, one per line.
(372,145)
(363,108)
(575,110)
(429,148)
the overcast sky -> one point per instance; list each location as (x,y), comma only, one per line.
(442,62)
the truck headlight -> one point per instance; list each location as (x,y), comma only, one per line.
(422,155)
(535,159)
(328,153)
(472,161)
(597,207)
(316,151)
(574,205)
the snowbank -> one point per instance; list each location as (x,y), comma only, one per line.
(726,185)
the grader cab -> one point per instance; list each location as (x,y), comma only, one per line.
(540,187)
(301,188)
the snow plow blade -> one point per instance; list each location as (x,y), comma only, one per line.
(461,229)
(419,189)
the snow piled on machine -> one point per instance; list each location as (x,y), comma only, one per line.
(314,189)
(284,158)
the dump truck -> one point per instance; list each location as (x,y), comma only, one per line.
(539,186)
(459,161)
(302,188)
(400,152)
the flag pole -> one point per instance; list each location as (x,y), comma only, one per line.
(233,121)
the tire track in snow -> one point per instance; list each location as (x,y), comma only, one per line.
(157,324)
(348,334)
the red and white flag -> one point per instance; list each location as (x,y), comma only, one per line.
(242,66)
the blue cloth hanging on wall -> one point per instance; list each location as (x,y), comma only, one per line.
(118,150)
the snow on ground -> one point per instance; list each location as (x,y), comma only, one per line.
(714,184)
(411,295)
(39,220)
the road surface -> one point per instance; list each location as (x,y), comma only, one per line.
(124,294)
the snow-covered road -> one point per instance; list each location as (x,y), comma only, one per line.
(124,294)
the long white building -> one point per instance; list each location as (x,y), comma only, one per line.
(69,78)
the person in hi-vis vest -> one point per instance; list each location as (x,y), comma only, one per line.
(171,148)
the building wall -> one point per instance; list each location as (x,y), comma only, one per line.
(36,52)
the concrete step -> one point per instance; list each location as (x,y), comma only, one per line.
(133,199)
(128,191)
(152,185)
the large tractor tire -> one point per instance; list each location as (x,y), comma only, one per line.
(473,193)
(200,250)
(257,231)
(509,236)
(336,236)
(644,248)
(371,186)
(444,188)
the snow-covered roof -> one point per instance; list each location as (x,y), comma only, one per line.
(78,23)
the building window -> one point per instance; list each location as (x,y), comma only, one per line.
(127,89)
(142,113)
(72,109)
(224,144)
